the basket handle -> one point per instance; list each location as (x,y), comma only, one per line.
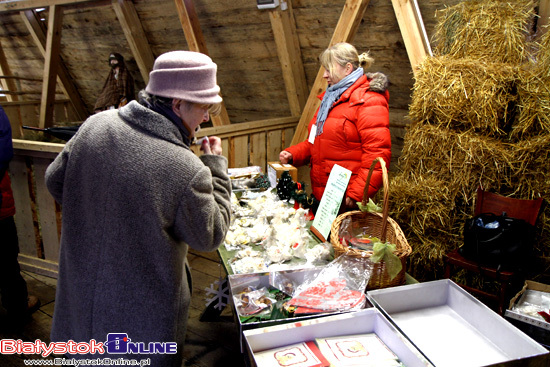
(386,186)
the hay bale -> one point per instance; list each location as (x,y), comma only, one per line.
(531,179)
(480,117)
(533,118)
(542,59)
(462,160)
(488,30)
(421,203)
(464,94)
(425,209)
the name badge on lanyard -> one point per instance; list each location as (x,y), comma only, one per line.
(312,134)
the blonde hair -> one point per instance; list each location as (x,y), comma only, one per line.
(342,53)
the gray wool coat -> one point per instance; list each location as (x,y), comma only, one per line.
(133,198)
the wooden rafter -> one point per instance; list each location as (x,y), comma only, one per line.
(195,41)
(290,57)
(191,26)
(544,14)
(18,5)
(135,35)
(344,32)
(412,30)
(6,83)
(51,65)
(38,32)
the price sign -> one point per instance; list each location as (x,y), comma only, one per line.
(331,201)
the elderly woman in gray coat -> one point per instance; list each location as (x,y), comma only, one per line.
(134,197)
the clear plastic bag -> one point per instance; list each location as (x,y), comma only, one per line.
(340,286)
(532,302)
(280,281)
(253,302)
(356,235)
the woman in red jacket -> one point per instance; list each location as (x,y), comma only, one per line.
(350,128)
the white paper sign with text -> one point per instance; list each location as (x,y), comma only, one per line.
(330,202)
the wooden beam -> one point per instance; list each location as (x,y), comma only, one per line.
(191,26)
(413,32)
(195,41)
(38,33)
(7,83)
(18,5)
(37,147)
(345,31)
(135,35)
(247,128)
(544,14)
(51,65)
(290,56)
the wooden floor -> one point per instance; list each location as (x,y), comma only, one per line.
(213,343)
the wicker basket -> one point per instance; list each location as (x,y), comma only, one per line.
(381,226)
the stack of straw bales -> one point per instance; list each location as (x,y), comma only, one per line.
(480,117)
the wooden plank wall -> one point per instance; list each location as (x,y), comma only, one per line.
(253,143)
(38,217)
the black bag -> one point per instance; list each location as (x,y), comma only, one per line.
(498,241)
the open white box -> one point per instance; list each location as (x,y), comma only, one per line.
(364,321)
(237,282)
(452,328)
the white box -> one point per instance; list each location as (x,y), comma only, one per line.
(452,328)
(237,282)
(536,328)
(364,321)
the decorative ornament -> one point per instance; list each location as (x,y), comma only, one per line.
(285,186)
(288,189)
(220,293)
(262,181)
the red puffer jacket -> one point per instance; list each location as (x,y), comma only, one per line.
(355,132)
(7,208)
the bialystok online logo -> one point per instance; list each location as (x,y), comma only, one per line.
(117,343)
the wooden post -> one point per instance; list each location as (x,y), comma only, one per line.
(135,35)
(7,83)
(344,32)
(413,32)
(38,33)
(16,5)
(195,40)
(290,56)
(51,65)
(544,14)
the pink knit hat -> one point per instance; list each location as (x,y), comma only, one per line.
(186,75)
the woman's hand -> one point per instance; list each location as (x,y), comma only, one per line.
(285,157)
(350,203)
(212,145)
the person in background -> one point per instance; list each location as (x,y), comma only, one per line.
(118,89)
(350,128)
(134,197)
(13,288)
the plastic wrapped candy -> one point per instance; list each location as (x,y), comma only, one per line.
(340,286)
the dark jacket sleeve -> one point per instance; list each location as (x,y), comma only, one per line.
(6,146)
